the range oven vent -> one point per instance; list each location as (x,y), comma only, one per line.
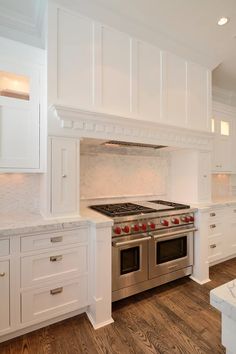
(129,144)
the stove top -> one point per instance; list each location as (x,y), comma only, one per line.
(122,209)
(127,209)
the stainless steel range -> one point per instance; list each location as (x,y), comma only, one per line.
(152,244)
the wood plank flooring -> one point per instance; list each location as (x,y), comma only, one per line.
(174,318)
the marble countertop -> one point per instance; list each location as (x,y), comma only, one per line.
(26,223)
(223,298)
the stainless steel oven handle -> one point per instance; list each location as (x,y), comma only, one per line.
(173,233)
(130,242)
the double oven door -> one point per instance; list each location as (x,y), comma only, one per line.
(170,252)
(129,260)
(138,258)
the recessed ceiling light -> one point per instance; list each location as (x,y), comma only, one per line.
(222,21)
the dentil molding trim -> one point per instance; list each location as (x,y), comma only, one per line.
(74,122)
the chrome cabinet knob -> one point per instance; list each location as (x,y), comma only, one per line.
(64,176)
(2,274)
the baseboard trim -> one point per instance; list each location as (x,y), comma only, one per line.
(34,327)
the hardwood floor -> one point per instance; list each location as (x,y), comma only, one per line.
(174,318)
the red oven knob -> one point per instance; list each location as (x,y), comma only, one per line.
(185,218)
(152,225)
(136,228)
(144,227)
(175,221)
(117,230)
(164,222)
(191,218)
(126,229)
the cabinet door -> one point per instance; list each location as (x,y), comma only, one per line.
(64,176)
(5,294)
(174,89)
(198,99)
(222,145)
(204,193)
(19,117)
(231,238)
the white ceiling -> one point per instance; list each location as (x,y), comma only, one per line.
(189,24)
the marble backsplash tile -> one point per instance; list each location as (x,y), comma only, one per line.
(112,175)
(19,193)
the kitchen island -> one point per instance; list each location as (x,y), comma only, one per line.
(223,298)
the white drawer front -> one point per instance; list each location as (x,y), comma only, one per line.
(4,247)
(54,266)
(53,240)
(215,214)
(215,249)
(215,228)
(54,300)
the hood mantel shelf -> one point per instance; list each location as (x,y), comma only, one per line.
(75,122)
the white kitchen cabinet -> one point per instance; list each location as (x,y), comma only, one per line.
(5,295)
(20,117)
(221,233)
(22,108)
(64,176)
(223,130)
(190,176)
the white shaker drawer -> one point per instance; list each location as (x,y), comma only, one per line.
(215,249)
(4,247)
(215,228)
(54,300)
(54,239)
(54,266)
(215,214)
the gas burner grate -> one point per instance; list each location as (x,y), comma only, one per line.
(122,209)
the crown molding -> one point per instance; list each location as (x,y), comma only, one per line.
(223,96)
(74,122)
(26,28)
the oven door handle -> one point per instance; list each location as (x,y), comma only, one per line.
(173,233)
(130,242)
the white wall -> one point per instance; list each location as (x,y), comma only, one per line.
(108,175)
(19,193)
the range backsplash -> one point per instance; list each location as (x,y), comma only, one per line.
(112,175)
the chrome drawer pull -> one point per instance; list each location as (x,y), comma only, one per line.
(212,214)
(213,246)
(56,291)
(56,258)
(212,226)
(2,274)
(56,239)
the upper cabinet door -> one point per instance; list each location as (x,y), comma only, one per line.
(74,59)
(147,81)
(198,97)
(174,90)
(19,117)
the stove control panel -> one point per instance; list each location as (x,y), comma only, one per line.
(148,225)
